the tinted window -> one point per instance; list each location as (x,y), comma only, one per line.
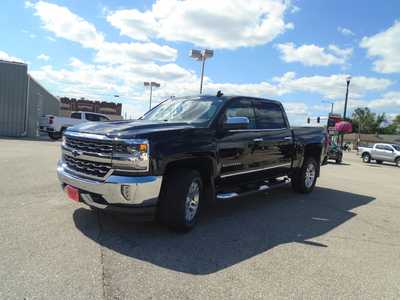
(103,118)
(388,148)
(397,147)
(241,108)
(92,117)
(269,115)
(76,115)
(380,147)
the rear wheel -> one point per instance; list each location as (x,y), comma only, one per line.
(180,200)
(366,157)
(397,161)
(339,159)
(305,179)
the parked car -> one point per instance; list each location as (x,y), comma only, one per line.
(381,153)
(335,153)
(54,126)
(186,153)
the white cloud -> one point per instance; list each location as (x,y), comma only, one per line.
(43,57)
(386,47)
(120,53)
(312,55)
(345,31)
(5,56)
(390,100)
(65,24)
(332,87)
(28,4)
(208,23)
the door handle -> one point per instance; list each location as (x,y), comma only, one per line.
(258,140)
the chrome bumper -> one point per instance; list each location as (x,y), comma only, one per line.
(141,190)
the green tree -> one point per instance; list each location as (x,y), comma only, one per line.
(364,120)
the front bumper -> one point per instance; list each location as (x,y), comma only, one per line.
(141,192)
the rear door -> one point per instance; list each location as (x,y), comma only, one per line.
(378,152)
(274,148)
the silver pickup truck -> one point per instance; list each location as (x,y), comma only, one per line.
(380,153)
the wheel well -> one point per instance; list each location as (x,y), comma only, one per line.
(314,151)
(204,166)
(365,153)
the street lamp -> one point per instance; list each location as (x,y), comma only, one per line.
(348,78)
(151,84)
(201,55)
(331,103)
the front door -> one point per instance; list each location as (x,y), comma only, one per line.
(236,147)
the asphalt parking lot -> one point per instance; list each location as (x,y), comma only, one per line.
(341,241)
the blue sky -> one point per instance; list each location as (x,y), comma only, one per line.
(296,51)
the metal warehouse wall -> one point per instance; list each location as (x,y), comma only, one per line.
(13,89)
(40,102)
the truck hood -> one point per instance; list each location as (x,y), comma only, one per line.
(127,128)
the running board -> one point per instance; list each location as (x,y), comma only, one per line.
(263,186)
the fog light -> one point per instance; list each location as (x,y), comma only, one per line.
(126,192)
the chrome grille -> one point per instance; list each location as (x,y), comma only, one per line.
(90,146)
(91,168)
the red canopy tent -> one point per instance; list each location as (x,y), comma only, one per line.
(344,127)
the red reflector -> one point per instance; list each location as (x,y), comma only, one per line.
(73,193)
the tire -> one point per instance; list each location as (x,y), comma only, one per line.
(55,135)
(339,159)
(366,158)
(181,199)
(397,161)
(305,179)
(379,162)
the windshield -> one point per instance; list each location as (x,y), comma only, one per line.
(397,147)
(188,110)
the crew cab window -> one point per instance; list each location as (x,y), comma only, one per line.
(92,117)
(380,147)
(269,115)
(241,108)
(387,148)
(76,115)
(103,118)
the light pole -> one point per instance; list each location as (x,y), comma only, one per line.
(331,103)
(348,78)
(201,55)
(151,84)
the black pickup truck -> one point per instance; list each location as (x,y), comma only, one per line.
(186,153)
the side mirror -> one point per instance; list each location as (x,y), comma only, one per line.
(236,123)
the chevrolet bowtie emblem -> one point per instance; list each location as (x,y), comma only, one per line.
(76,153)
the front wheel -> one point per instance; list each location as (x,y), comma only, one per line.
(397,161)
(55,135)
(339,159)
(305,179)
(180,200)
(366,158)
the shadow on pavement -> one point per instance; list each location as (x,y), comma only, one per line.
(230,232)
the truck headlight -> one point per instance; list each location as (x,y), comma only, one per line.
(132,156)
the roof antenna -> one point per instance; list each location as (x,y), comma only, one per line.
(220,94)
